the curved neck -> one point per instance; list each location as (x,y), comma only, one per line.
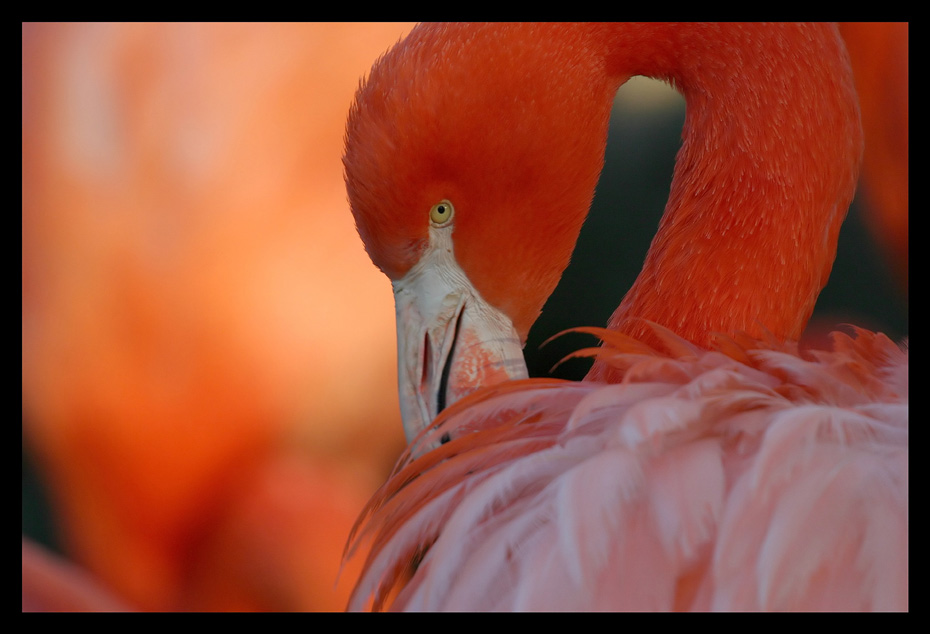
(766,172)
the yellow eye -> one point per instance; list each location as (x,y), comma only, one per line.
(441,213)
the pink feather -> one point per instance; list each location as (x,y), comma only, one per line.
(700,482)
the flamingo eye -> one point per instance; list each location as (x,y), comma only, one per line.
(441,213)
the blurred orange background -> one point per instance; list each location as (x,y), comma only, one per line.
(209,378)
(209,382)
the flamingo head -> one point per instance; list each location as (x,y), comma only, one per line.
(471,158)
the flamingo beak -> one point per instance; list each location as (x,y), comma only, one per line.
(450,341)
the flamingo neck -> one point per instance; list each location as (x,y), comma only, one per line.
(765,174)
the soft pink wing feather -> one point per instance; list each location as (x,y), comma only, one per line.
(756,479)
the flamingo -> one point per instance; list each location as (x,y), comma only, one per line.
(706,462)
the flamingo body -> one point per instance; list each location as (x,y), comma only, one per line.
(705,462)
(743,478)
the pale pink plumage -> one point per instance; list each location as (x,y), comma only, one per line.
(749,477)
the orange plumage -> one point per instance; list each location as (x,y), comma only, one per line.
(705,463)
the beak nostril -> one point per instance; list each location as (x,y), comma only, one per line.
(447,366)
(424,371)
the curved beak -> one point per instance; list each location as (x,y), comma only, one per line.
(450,341)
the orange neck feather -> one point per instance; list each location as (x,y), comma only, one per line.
(762,183)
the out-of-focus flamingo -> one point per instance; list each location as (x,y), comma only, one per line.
(878,52)
(705,463)
(194,296)
(53,585)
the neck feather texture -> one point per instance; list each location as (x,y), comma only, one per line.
(763,180)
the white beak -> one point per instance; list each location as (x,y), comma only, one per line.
(450,341)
